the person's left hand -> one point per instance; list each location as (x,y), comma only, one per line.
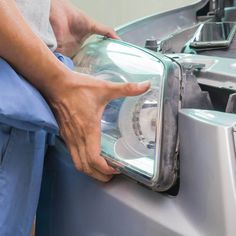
(72,27)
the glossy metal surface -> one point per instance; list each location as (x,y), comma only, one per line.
(205,205)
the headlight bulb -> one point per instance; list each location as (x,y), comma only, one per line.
(137,123)
(145,117)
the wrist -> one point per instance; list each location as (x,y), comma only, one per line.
(54,84)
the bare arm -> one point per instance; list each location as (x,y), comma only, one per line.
(25,51)
(77,100)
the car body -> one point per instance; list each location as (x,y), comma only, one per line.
(203,203)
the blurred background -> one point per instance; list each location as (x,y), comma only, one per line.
(118,12)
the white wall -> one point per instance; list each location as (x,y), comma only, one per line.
(117,12)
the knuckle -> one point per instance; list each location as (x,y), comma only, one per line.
(92,162)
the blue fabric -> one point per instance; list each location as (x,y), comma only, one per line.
(26,125)
(21,105)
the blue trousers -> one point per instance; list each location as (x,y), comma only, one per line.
(22,152)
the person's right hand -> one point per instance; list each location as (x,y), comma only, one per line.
(78,107)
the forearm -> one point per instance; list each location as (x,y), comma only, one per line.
(26,52)
(77,100)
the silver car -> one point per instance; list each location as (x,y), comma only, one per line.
(174,145)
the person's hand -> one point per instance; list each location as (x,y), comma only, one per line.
(72,27)
(78,107)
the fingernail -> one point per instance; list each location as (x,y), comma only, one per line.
(144,84)
(116,171)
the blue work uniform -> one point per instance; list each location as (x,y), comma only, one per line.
(27,127)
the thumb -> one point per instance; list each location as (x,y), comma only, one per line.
(127,89)
(105,31)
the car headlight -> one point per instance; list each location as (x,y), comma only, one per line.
(139,134)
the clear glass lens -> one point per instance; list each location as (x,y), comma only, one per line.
(129,125)
(129,128)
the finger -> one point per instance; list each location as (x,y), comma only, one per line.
(69,137)
(88,147)
(105,31)
(72,147)
(100,176)
(96,160)
(117,90)
(101,165)
(112,34)
(86,168)
(81,160)
(75,158)
(93,151)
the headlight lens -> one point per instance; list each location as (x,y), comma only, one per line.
(131,126)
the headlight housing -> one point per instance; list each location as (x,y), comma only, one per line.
(139,134)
